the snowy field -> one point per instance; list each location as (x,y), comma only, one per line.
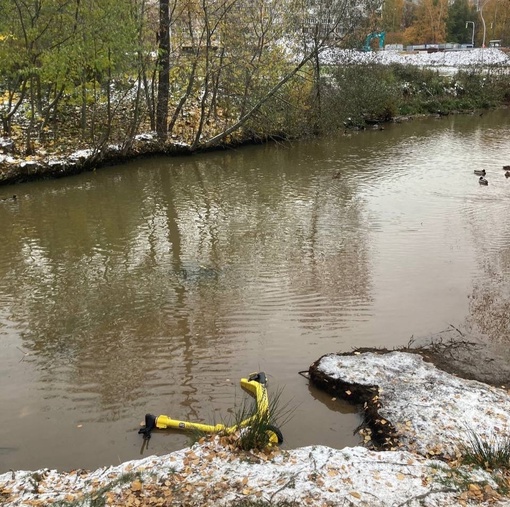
(456,59)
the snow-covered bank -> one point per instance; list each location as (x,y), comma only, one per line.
(432,412)
(15,168)
(208,475)
(429,409)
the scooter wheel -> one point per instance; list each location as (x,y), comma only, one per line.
(274,434)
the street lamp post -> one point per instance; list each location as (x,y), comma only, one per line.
(479,7)
(483,22)
(473,34)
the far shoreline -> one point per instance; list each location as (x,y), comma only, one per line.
(43,166)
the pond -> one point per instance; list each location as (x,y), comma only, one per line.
(156,285)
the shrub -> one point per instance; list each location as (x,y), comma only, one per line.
(263,430)
(490,454)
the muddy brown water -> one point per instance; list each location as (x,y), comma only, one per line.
(155,286)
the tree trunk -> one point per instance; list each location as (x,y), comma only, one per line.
(163,71)
(317,99)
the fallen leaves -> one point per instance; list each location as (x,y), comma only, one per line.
(136,485)
(198,477)
(479,493)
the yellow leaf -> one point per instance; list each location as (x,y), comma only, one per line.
(136,486)
(355,494)
(401,477)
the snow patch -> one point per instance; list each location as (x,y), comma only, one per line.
(458,59)
(433,412)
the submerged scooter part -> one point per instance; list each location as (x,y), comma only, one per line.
(255,385)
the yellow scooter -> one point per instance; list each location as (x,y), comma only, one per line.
(255,385)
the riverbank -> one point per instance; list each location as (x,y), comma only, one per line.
(418,91)
(16,169)
(425,418)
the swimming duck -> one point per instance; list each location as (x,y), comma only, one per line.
(506,168)
(13,198)
(479,172)
(507,174)
(483,181)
